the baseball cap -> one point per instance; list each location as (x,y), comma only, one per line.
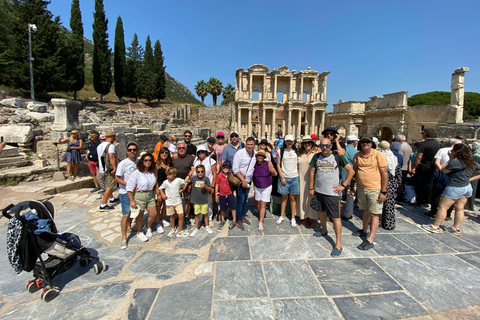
(132,143)
(375,139)
(163,137)
(227,164)
(220,134)
(201,148)
(103,137)
(211,139)
(289,137)
(234,132)
(352,137)
(330,129)
(264,141)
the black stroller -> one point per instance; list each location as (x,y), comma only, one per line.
(34,233)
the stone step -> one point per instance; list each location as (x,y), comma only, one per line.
(16,161)
(9,151)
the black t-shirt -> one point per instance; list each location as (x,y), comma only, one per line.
(92,150)
(429,149)
(191,149)
(334,146)
(183,165)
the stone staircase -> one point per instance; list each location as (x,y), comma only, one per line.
(12,158)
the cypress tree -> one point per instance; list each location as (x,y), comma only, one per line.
(146,81)
(134,62)
(119,60)
(160,92)
(76,66)
(102,75)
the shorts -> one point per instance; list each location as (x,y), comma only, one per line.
(328,204)
(230,200)
(201,208)
(125,202)
(145,199)
(263,194)
(456,193)
(171,210)
(368,199)
(109,180)
(292,186)
(93,166)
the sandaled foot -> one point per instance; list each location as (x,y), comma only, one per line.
(336,252)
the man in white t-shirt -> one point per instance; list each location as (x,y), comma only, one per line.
(124,169)
(103,168)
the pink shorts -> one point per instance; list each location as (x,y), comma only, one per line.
(93,167)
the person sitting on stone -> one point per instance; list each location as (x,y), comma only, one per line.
(72,157)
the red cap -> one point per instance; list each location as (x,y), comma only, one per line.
(314,136)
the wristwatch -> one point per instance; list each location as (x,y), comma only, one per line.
(343,185)
(383,192)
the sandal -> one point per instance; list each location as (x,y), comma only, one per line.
(260,227)
(336,252)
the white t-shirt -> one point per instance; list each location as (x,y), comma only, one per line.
(442,154)
(141,181)
(172,148)
(100,149)
(208,163)
(171,191)
(289,164)
(124,170)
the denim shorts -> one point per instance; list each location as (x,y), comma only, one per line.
(292,186)
(456,193)
(125,202)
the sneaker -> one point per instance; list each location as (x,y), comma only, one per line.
(222,223)
(113,200)
(123,244)
(101,191)
(244,220)
(194,232)
(280,220)
(454,231)
(209,230)
(106,208)
(142,237)
(293,223)
(240,225)
(260,227)
(95,189)
(166,223)
(231,225)
(430,214)
(431,228)
(171,233)
(360,233)
(183,234)
(160,228)
(187,222)
(365,245)
(149,233)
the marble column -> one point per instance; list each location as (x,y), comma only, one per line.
(66,114)
(312,125)
(262,126)
(289,122)
(249,126)
(322,123)
(239,121)
(274,124)
(299,123)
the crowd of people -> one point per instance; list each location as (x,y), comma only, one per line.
(312,174)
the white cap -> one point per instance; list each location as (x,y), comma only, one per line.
(375,139)
(352,138)
(201,148)
(289,137)
(234,132)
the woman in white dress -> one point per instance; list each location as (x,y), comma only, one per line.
(308,216)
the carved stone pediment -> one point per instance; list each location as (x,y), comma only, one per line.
(258,68)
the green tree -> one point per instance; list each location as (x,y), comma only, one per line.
(134,63)
(76,61)
(6,16)
(214,87)
(471,105)
(202,90)
(471,102)
(147,78)
(159,69)
(228,94)
(119,60)
(102,75)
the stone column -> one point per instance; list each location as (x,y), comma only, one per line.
(275,89)
(249,121)
(299,123)
(262,126)
(66,114)
(322,123)
(312,125)
(457,95)
(301,89)
(250,87)
(289,122)
(274,124)
(239,120)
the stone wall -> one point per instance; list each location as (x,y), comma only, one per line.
(470,130)
(388,100)
(426,116)
(216,118)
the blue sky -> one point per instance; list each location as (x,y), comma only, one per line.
(371,47)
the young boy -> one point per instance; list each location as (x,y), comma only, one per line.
(201,190)
(171,190)
(224,195)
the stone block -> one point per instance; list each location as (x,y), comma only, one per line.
(21,112)
(89,126)
(249,281)
(36,106)
(40,163)
(37,132)
(305,309)
(143,130)
(66,114)
(9,151)
(16,133)
(41,117)
(229,249)
(12,102)
(123,130)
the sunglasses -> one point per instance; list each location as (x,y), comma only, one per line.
(187,135)
(200,171)
(365,141)
(329,134)
(325,145)
(202,151)
(234,136)
(307,142)
(147,160)
(181,148)
(174,140)
(164,152)
(131,150)
(220,137)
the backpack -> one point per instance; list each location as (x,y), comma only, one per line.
(337,161)
(107,166)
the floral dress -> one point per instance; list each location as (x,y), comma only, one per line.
(387,218)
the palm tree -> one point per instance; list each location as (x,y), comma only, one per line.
(214,88)
(228,92)
(201,90)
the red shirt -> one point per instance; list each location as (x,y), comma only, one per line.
(224,187)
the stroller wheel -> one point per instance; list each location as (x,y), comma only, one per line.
(32,286)
(83,262)
(99,267)
(49,294)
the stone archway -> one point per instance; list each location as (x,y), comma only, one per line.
(384,131)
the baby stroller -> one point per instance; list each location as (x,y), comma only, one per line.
(34,233)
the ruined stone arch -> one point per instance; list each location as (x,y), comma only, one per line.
(342,130)
(387,132)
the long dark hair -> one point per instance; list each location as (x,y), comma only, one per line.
(464,154)
(168,161)
(140,165)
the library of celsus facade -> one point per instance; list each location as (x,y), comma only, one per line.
(280,102)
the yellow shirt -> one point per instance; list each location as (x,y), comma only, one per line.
(368,169)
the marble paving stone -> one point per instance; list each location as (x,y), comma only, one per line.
(242,310)
(383,306)
(229,249)
(158,264)
(472,239)
(142,302)
(472,258)
(304,309)
(195,302)
(279,247)
(323,246)
(431,289)
(88,303)
(424,243)
(457,271)
(351,276)
(250,230)
(195,243)
(236,280)
(401,226)
(290,279)
(454,242)
(388,245)
(270,227)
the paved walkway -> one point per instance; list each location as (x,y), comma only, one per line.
(281,273)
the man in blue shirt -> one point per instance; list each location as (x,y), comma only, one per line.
(232,148)
(351,150)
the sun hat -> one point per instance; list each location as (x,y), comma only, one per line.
(307,138)
(289,137)
(352,137)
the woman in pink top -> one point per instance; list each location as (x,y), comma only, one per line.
(219,149)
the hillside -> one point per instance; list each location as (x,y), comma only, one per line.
(471,108)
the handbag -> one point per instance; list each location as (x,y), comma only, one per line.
(234,180)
